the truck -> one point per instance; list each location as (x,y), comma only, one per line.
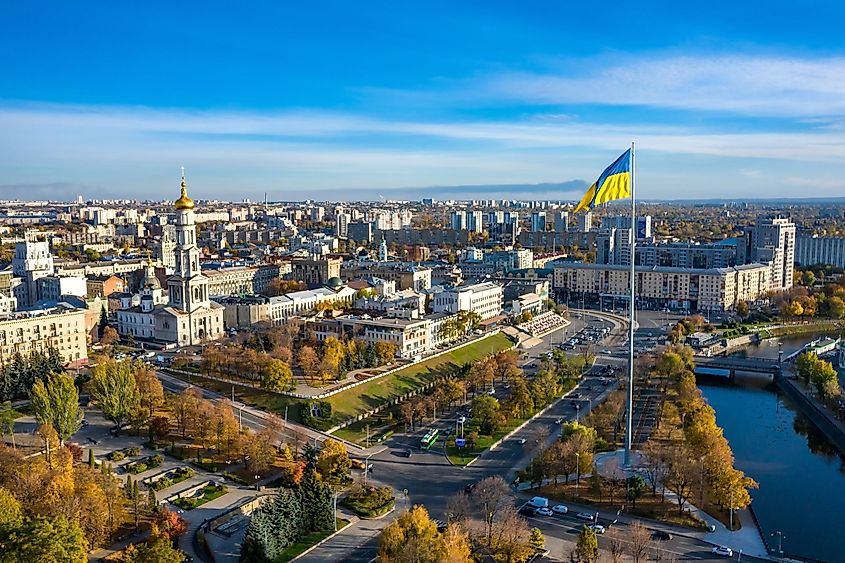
(539,502)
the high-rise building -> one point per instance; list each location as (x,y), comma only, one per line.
(474,221)
(496,217)
(584,222)
(459,220)
(561,221)
(342,221)
(771,240)
(538,221)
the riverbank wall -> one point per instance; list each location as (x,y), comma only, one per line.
(833,429)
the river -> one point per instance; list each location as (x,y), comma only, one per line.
(801,476)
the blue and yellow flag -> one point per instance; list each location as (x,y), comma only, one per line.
(614,183)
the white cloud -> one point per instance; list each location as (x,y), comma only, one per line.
(743,84)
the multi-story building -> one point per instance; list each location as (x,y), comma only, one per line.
(506,260)
(538,221)
(458,220)
(410,336)
(360,231)
(812,249)
(712,289)
(240,280)
(60,327)
(103,286)
(561,221)
(406,275)
(584,222)
(32,260)
(771,240)
(486,299)
(52,288)
(342,221)
(685,255)
(315,271)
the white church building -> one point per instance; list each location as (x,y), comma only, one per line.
(184,315)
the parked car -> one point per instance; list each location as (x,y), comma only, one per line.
(661,535)
(522,441)
(722,551)
(597,528)
(539,502)
(559,509)
(558,421)
(526,511)
(544,512)
(584,516)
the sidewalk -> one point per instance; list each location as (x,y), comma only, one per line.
(747,538)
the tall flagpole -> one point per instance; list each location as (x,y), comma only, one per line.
(633,283)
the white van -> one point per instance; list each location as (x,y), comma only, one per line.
(539,502)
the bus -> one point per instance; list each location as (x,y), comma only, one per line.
(429,439)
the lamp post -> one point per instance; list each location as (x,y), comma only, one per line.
(367,468)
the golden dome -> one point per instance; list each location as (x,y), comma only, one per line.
(184,202)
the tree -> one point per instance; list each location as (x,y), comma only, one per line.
(654,463)
(171,524)
(538,542)
(634,487)
(278,376)
(385,352)
(157,549)
(490,495)
(110,336)
(485,409)
(587,546)
(456,545)
(258,451)
(413,536)
(150,391)
(640,539)
(742,309)
(103,322)
(315,497)
(46,539)
(115,389)
(7,421)
(308,362)
(184,406)
(275,525)
(11,513)
(333,463)
(680,474)
(56,403)
(836,307)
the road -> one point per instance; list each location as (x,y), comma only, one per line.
(430,479)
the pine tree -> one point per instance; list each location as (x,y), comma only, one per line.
(537,541)
(315,498)
(104,321)
(371,358)
(259,542)
(91,459)
(152,501)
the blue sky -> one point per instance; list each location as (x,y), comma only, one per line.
(351,100)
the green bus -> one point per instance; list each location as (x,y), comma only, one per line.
(429,439)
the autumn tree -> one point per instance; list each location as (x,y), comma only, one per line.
(640,541)
(184,407)
(587,546)
(333,463)
(309,362)
(277,376)
(490,495)
(150,391)
(56,402)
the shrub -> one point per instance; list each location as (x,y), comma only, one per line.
(116,456)
(155,460)
(370,501)
(133,451)
(137,467)
(322,422)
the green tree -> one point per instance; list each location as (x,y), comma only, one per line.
(635,485)
(315,498)
(11,514)
(587,546)
(7,421)
(45,539)
(56,403)
(742,309)
(485,409)
(104,322)
(278,376)
(274,526)
(115,389)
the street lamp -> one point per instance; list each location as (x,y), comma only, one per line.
(367,468)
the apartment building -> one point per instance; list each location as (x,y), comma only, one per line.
(61,327)
(712,289)
(771,240)
(812,249)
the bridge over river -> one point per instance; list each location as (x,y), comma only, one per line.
(728,366)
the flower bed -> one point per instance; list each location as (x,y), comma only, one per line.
(145,464)
(204,495)
(171,478)
(120,455)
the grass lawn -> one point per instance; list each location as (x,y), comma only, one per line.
(307,541)
(357,400)
(380,429)
(462,456)
(647,505)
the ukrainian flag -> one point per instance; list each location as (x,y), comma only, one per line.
(614,183)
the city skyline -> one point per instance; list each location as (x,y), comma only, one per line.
(296,105)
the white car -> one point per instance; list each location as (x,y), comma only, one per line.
(722,551)
(597,528)
(544,512)
(584,516)
(522,441)
(559,509)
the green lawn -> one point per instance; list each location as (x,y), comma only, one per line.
(307,541)
(209,493)
(357,400)
(463,456)
(380,428)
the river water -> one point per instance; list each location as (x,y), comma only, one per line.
(801,476)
